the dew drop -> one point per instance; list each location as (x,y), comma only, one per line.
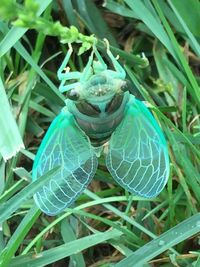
(161,243)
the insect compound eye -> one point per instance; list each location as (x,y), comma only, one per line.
(73,95)
(126,86)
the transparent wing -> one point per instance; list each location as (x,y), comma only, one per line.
(138,157)
(66,146)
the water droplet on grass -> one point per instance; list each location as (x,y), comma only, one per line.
(161,243)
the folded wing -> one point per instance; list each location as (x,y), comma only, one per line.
(66,146)
(138,156)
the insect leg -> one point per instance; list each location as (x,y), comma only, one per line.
(87,72)
(64,88)
(63,72)
(69,75)
(119,69)
(99,65)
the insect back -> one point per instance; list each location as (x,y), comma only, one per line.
(99,109)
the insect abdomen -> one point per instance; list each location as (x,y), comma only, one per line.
(100,128)
(99,132)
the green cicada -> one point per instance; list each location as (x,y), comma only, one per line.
(100,109)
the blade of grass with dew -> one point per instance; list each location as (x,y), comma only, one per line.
(10,138)
(175,235)
(18,236)
(7,208)
(63,251)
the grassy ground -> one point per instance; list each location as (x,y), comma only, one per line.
(107,227)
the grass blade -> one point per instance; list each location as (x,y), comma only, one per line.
(68,235)
(152,23)
(186,29)
(165,241)
(10,138)
(63,251)
(195,92)
(7,208)
(18,236)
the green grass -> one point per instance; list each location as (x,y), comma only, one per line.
(107,226)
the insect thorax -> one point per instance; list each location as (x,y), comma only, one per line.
(100,108)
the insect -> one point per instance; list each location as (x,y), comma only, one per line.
(99,109)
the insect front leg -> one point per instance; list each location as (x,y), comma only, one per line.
(62,70)
(64,88)
(64,73)
(120,72)
(100,65)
